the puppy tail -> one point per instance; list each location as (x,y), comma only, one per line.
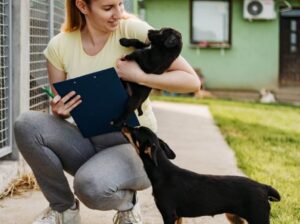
(273,194)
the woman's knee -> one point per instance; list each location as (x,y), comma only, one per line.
(26,128)
(23,125)
(92,192)
(26,121)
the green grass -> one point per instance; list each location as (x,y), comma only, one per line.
(266,140)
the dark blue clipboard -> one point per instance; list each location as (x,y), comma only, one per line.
(103,99)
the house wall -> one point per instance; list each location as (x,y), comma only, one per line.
(251,63)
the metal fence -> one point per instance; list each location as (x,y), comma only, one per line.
(5,77)
(46,17)
(58,15)
(39,38)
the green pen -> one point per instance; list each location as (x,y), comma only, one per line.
(48,92)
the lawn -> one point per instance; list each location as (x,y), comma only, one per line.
(266,141)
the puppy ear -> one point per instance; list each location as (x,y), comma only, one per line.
(171,41)
(168,151)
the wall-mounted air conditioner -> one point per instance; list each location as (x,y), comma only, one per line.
(259,9)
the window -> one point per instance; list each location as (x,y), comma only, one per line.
(210,23)
(293,36)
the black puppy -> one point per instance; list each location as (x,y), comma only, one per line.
(182,193)
(156,57)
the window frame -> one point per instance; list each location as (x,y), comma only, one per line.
(211,44)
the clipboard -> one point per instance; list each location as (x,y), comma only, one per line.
(103,99)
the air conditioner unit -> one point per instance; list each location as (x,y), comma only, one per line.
(259,9)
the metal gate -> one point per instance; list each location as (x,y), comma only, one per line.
(5,77)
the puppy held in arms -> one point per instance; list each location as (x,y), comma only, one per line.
(155,58)
(181,193)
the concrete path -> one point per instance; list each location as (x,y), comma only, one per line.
(189,130)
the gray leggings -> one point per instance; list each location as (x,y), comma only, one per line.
(106,169)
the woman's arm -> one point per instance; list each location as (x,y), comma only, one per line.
(54,75)
(180,77)
(59,106)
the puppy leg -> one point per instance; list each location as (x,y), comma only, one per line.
(169,219)
(260,215)
(169,214)
(140,111)
(234,219)
(259,220)
(131,57)
(131,104)
(133,43)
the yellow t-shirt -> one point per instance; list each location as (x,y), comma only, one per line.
(65,52)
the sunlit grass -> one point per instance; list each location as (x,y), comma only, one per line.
(266,140)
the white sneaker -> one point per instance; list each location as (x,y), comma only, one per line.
(49,216)
(132,216)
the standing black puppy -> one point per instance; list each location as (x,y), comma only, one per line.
(156,57)
(182,193)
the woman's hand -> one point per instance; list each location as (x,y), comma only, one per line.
(63,106)
(130,71)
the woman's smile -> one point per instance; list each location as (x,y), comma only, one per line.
(114,23)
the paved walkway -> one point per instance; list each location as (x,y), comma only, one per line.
(191,133)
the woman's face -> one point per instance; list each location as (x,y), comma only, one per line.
(104,15)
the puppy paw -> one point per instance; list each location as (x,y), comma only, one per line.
(123,58)
(129,57)
(124,42)
(140,111)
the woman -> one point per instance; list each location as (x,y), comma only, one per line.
(106,170)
